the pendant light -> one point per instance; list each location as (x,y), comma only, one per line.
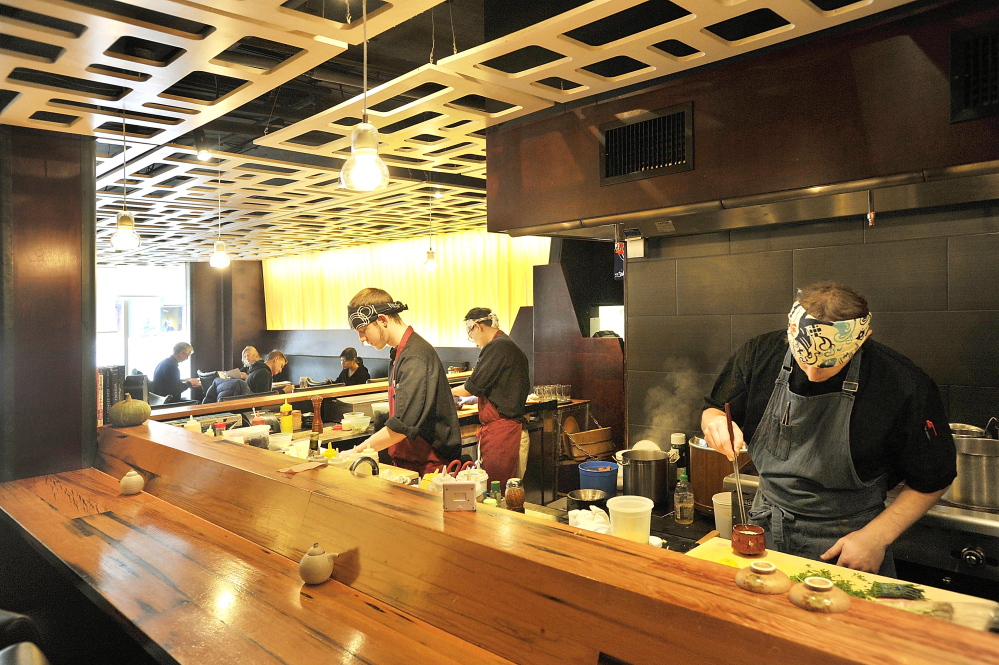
(219,258)
(430,264)
(364,170)
(201,145)
(125,237)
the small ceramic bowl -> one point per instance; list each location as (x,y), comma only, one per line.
(762,577)
(817,594)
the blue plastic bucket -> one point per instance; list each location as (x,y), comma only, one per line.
(590,478)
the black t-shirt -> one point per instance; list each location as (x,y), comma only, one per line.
(502,376)
(424,405)
(360,376)
(888,425)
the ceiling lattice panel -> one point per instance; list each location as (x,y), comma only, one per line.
(607,44)
(75,68)
(428,119)
(334,25)
(268,208)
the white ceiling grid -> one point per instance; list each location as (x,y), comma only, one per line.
(430,119)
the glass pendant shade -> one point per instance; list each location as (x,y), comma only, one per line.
(364,170)
(125,237)
(431,263)
(219,258)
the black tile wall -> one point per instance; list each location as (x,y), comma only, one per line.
(973,405)
(651,287)
(798,236)
(734,284)
(707,244)
(955,348)
(974,271)
(747,326)
(904,276)
(931,278)
(678,343)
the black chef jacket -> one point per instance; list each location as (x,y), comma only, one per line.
(502,376)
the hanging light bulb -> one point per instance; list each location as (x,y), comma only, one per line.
(438,193)
(219,258)
(201,145)
(364,170)
(125,237)
(430,264)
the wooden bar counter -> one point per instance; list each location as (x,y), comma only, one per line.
(515,586)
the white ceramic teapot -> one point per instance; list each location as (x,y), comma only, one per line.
(316,566)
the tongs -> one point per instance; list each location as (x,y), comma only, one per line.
(735,464)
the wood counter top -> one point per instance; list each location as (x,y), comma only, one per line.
(529,590)
(201,594)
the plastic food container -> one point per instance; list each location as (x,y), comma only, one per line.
(631,517)
(279,441)
(257,436)
(359,422)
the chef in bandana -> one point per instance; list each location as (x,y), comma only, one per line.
(501,382)
(833,420)
(422,431)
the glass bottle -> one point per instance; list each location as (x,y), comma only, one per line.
(495,493)
(313,445)
(683,501)
(514,495)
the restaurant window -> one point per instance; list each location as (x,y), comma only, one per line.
(142,311)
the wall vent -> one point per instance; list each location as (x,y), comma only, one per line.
(974,72)
(647,145)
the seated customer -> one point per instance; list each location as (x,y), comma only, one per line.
(252,363)
(166,378)
(354,372)
(275,362)
(225,388)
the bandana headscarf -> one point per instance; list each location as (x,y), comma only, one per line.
(492,320)
(824,343)
(366,314)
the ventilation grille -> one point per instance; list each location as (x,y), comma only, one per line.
(648,145)
(974,72)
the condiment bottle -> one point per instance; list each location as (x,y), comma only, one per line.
(287,424)
(678,442)
(219,429)
(257,419)
(313,445)
(494,491)
(683,501)
(192,425)
(514,495)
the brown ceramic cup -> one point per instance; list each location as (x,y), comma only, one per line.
(748,540)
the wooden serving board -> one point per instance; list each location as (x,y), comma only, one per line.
(968,610)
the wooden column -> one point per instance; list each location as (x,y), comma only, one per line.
(227,313)
(47,340)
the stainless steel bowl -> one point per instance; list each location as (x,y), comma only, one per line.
(583,499)
(960,430)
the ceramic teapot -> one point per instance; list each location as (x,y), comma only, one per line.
(316,566)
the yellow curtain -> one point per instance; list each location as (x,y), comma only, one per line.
(474,269)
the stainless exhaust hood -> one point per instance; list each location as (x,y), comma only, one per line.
(967,183)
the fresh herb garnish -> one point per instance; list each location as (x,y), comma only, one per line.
(841,582)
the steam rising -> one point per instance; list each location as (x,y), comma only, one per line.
(675,404)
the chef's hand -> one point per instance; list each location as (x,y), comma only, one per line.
(859,550)
(715,429)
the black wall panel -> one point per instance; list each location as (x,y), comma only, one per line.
(974,272)
(743,284)
(652,288)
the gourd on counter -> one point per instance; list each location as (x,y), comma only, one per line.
(129,412)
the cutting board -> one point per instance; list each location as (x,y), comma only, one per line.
(968,610)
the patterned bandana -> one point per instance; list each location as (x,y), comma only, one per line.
(366,314)
(824,343)
(492,320)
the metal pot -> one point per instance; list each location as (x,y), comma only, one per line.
(960,430)
(645,474)
(977,482)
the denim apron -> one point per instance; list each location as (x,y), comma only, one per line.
(810,495)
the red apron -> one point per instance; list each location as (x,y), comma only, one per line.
(415,455)
(499,443)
